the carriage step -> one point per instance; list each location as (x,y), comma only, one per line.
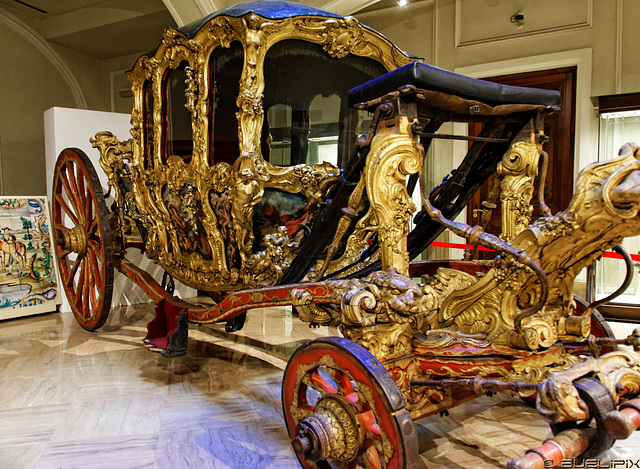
(167,332)
(236,323)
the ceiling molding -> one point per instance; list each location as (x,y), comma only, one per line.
(186,11)
(396,8)
(45,49)
(86,18)
(207,6)
(347,7)
(174,13)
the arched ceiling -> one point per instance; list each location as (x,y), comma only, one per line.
(112,28)
(186,11)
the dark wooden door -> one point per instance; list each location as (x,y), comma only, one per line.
(559,127)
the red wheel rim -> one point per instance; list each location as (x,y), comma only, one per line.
(84,249)
(340,368)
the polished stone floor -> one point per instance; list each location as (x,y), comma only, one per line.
(75,399)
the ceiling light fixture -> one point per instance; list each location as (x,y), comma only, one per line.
(403,3)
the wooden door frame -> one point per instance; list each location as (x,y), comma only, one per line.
(586,127)
(559,127)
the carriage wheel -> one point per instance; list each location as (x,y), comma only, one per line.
(84,248)
(343,409)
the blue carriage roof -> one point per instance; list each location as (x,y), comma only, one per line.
(270,9)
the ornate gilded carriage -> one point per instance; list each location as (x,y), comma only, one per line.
(275,150)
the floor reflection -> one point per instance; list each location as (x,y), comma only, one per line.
(72,398)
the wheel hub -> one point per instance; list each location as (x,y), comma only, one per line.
(331,432)
(74,239)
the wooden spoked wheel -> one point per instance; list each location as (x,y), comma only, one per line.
(343,409)
(84,249)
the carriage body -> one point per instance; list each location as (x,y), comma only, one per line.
(226,185)
(229,118)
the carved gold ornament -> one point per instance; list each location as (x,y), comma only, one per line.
(384,311)
(558,399)
(517,172)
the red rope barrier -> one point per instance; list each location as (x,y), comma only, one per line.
(610,255)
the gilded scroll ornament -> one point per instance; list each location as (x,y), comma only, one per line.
(517,172)
(562,245)
(113,157)
(338,37)
(394,155)
(343,36)
(384,310)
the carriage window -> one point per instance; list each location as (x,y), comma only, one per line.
(225,70)
(306,118)
(324,113)
(279,119)
(322,132)
(178,138)
(147,124)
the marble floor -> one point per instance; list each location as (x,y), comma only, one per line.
(75,399)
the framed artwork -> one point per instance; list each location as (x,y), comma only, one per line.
(28,270)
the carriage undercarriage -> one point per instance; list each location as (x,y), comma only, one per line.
(418,337)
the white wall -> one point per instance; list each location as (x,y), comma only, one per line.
(66,128)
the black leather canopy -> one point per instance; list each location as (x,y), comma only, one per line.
(428,77)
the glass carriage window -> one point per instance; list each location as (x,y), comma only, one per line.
(279,130)
(225,71)
(148,105)
(322,132)
(178,139)
(324,115)
(307,119)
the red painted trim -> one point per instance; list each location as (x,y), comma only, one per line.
(143,279)
(232,305)
(238,302)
